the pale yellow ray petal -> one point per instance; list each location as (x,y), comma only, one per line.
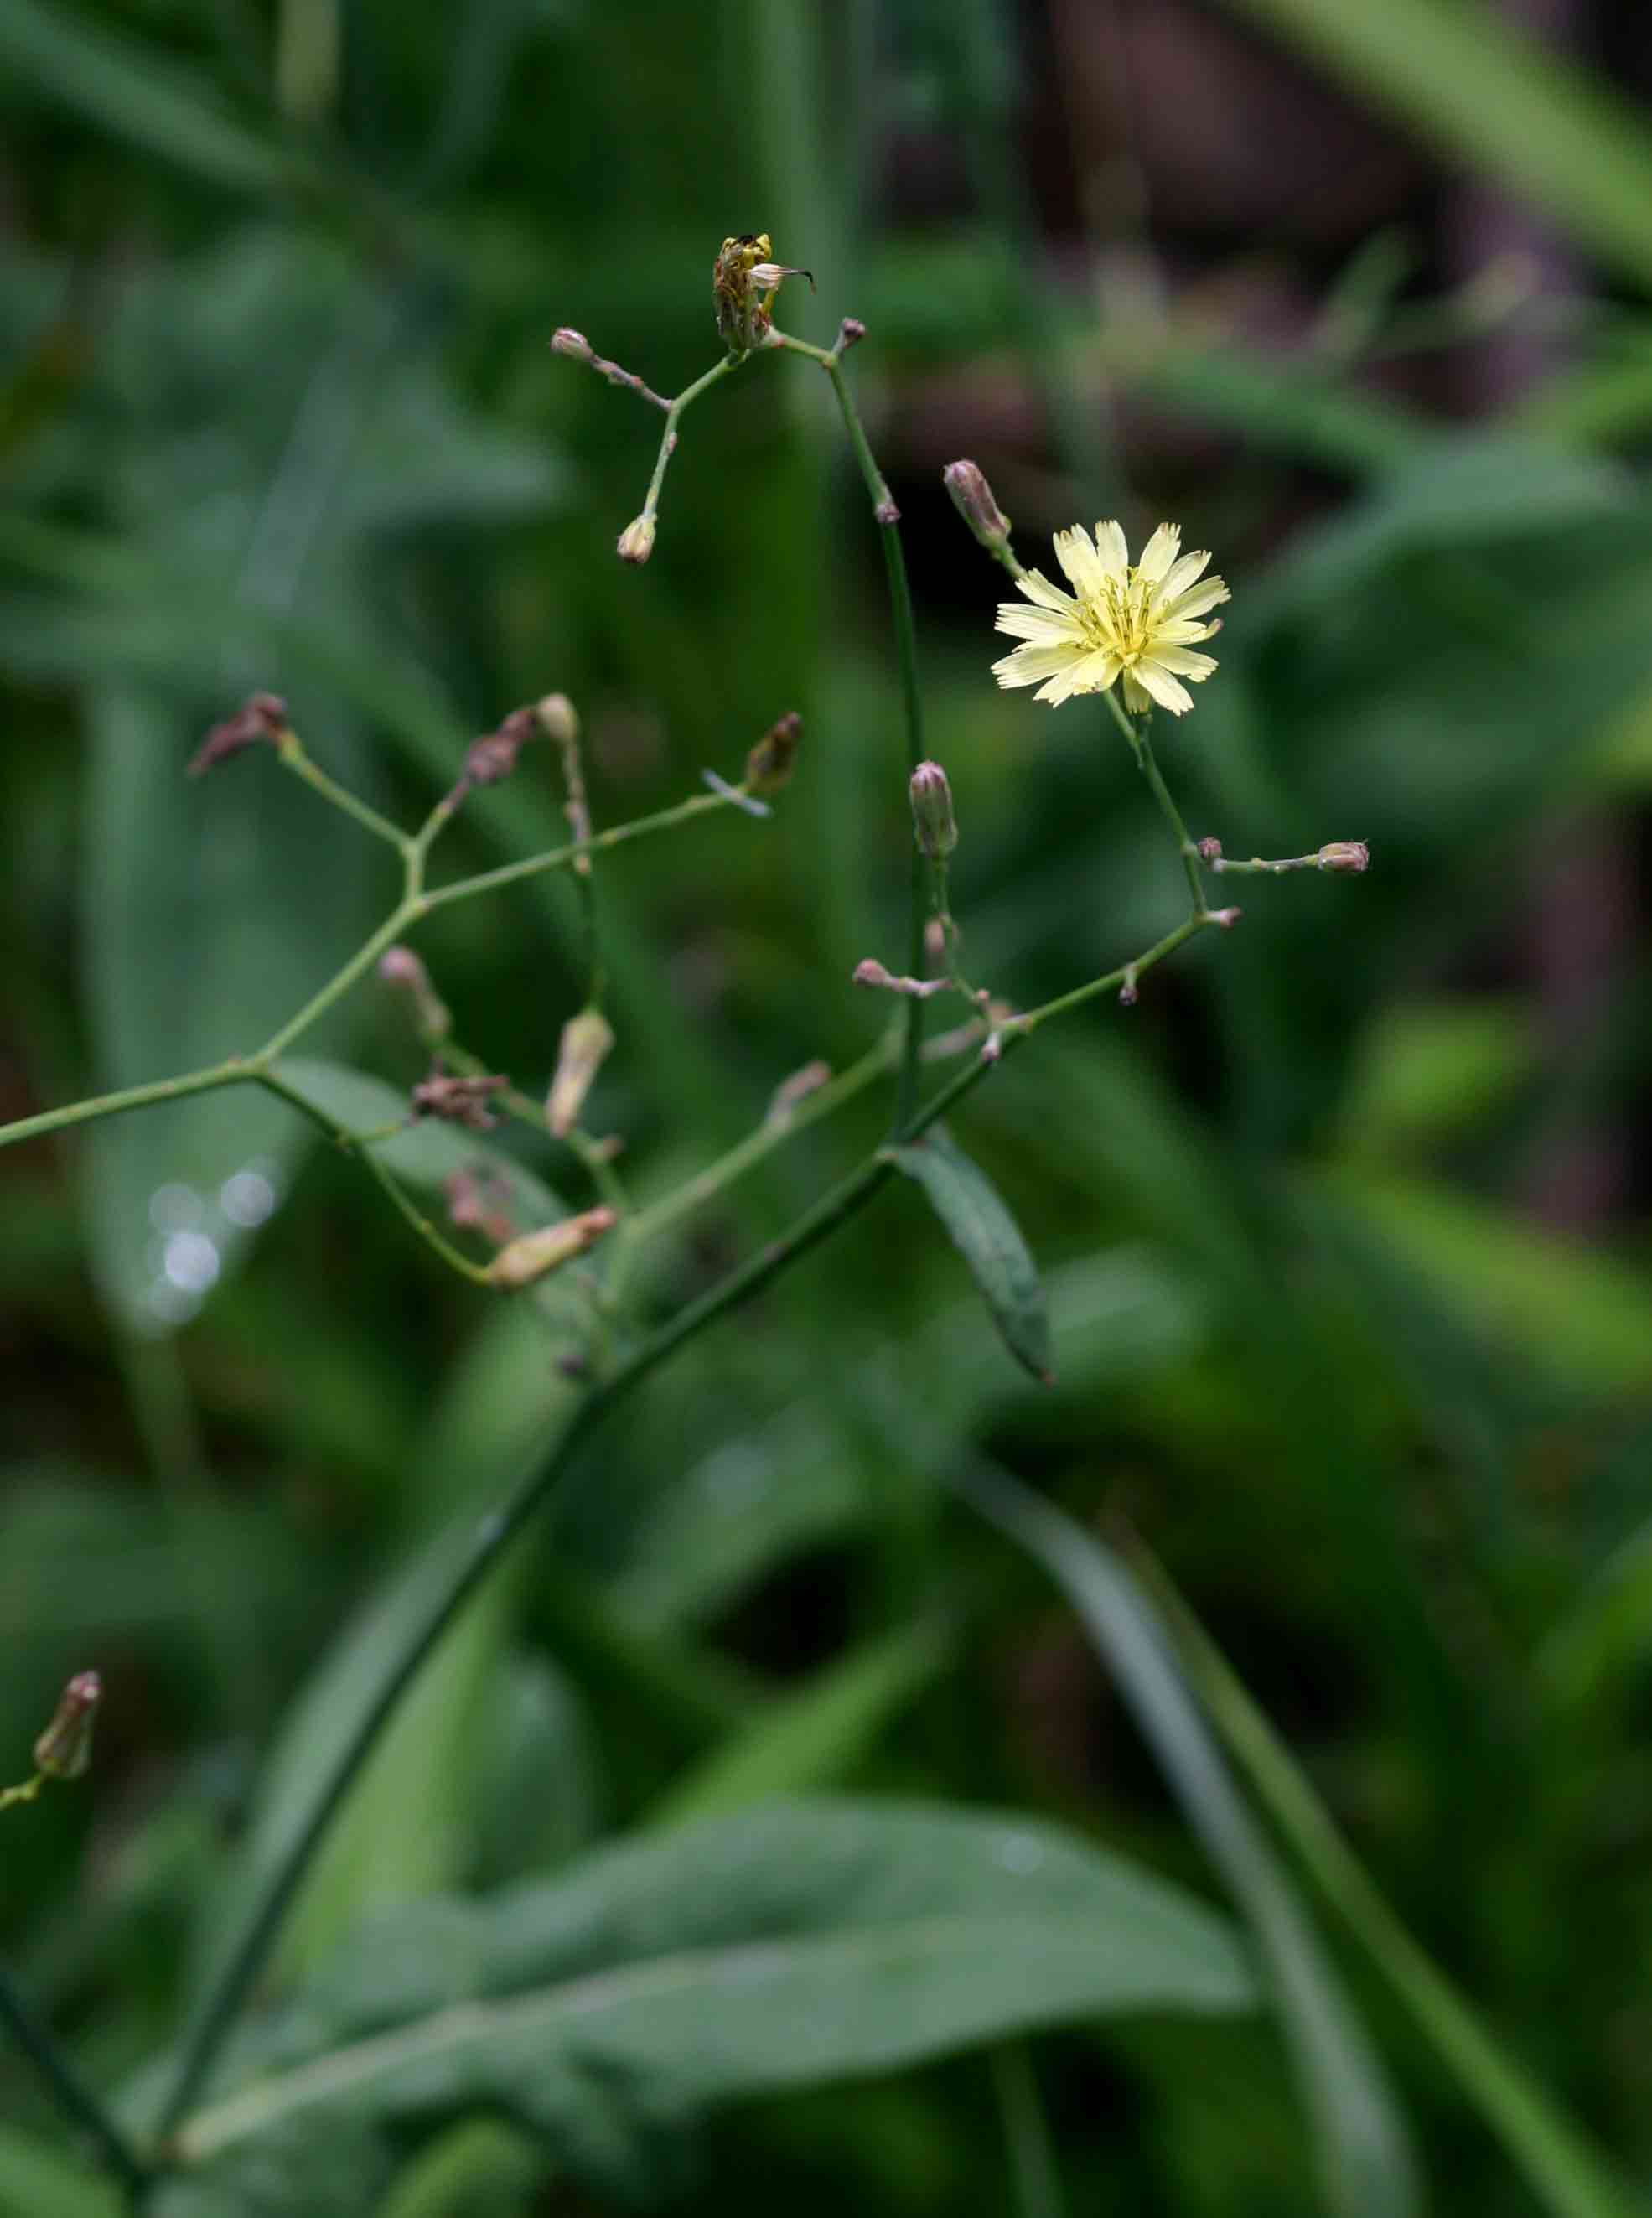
(1159,552)
(1113,548)
(1030,666)
(1078,557)
(1179,632)
(1184,664)
(1181,574)
(1037,587)
(1197,598)
(1163,687)
(1091,674)
(1051,625)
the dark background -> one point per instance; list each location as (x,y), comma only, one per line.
(1345,1227)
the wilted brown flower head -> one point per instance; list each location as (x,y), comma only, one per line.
(260,719)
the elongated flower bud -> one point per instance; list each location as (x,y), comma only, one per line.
(771,762)
(586,1042)
(64,1751)
(532,1254)
(973,499)
(637,540)
(933,822)
(402,971)
(1344,855)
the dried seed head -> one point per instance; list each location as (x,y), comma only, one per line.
(743,283)
(586,1045)
(636,542)
(494,755)
(64,1751)
(933,822)
(851,332)
(532,1254)
(973,499)
(771,761)
(260,719)
(458,1100)
(1351,855)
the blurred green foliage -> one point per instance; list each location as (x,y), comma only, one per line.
(278,410)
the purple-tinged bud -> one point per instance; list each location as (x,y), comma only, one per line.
(851,332)
(1128,996)
(476,1207)
(1227,918)
(1209,851)
(402,971)
(64,1751)
(558,718)
(586,1045)
(798,1088)
(637,540)
(772,759)
(933,822)
(973,499)
(871,972)
(458,1100)
(262,718)
(1351,855)
(574,344)
(532,1254)
(886,513)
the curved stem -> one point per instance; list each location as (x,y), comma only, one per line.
(555,858)
(1142,749)
(235,1072)
(73,2097)
(294,756)
(888,518)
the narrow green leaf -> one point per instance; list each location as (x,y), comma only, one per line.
(1495,97)
(1365,2155)
(802,1941)
(141,96)
(1563,2169)
(814,1738)
(990,1242)
(38,2179)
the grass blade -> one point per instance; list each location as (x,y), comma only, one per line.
(1365,2155)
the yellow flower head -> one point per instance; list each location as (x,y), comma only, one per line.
(1119,622)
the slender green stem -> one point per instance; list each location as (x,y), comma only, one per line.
(1142,749)
(235,1072)
(555,858)
(365,956)
(294,756)
(422,1225)
(751,1150)
(685,398)
(74,2098)
(1257,865)
(10,1796)
(496,1530)
(887,516)
(1035,2180)
(1127,974)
